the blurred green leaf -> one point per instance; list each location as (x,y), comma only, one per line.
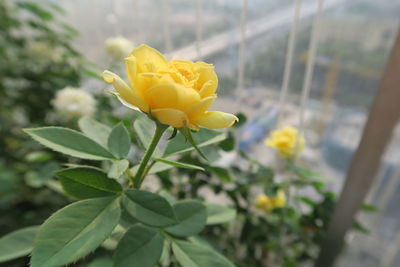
(87,182)
(74,231)
(229,143)
(69,142)
(369,208)
(191,216)
(36,10)
(141,246)
(217,214)
(221,173)
(18,243)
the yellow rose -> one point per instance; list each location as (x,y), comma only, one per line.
(284,140)
(264,202)
(279,201)
(176,92)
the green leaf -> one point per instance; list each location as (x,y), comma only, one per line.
(179,164)
(101,262)
(217,214)
(195,255)
(307,201)
(157,167)
(69,142)
(119,141)
(87,182)
(188,135)
(18,243)
(202,138)
(369,208)
(357,226)
(192,217)
(141,246)
(222,173)
(167,195)
(118,167)
(229,143)
(74,231)
(95,130)
(36,10)
(149,208)
(144,129)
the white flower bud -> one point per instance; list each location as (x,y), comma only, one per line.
(74,102)
(118,47)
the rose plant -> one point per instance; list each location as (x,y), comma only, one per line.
(111,205)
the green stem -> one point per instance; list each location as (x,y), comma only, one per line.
(140,174)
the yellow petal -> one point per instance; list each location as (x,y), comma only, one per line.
(206,73)
(131,70)
(208,89)
(171,95)
(124,90)
(172,117)
(216,120)
(198,109)
(148,59)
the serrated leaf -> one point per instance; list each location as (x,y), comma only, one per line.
(202,138)
(118,167)
(95,130)
(149,208)
(87,182)
(141,246)
(217,214)
(69,142)
(18,243)
(74,231)
(119,141)
(191,216)
(179,164)
(196,255)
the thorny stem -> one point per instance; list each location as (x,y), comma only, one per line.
(141,174)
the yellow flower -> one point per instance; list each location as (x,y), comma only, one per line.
(264,202)
(176,92)
(279,201)
(284,140)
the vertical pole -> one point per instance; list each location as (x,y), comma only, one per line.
(288,63)
(242,48)
(166,26)
(383,117)
(329,90)
(312,51)
(199,27)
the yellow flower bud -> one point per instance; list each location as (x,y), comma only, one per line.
(287,141)
(279,201)
(264,202)
(176,92)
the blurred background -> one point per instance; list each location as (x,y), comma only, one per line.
(355,41)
